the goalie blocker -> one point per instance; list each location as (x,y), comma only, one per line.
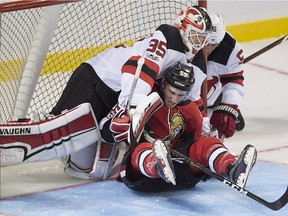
(50,139)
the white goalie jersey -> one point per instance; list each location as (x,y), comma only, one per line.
(161,50)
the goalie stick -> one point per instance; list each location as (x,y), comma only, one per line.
(276,205)
(263,50)
(140,63)
(115,148)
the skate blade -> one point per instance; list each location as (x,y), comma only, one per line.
(160,150)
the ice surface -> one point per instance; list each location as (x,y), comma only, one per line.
(268,181)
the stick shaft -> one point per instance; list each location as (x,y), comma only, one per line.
(140,63)
(265,49)
(276,205)
(115,148)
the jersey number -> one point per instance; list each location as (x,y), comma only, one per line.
(159,47)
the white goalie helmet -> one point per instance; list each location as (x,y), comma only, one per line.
(218,29)
(195,28)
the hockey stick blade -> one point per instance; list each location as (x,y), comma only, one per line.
(265,49)
(276,205)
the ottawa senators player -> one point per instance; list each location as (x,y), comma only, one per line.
(177,124)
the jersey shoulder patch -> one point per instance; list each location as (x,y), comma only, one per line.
(222,53)
(173,37)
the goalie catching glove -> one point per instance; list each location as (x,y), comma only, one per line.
(223,119)
(115,126)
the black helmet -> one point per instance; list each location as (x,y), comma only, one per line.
(180,76)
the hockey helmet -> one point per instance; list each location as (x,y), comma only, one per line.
(195,27)
(218,29)
(180,76)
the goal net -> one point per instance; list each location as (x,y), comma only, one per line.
(42,42)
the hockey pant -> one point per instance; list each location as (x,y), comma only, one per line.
(84,86)
(208,151)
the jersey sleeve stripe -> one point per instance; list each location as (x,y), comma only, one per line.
(232,78)
(148,72)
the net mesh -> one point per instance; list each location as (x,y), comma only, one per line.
(83,29)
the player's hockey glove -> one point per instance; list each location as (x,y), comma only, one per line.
(120,125)
(115,126)
(223,119)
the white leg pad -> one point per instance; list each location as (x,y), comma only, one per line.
(92,162)
(52,138)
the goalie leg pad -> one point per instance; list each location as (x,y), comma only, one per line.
(91,162)
(52,138)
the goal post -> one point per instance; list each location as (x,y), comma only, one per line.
(42,42)
(14,5)
(26,35)
(35,59)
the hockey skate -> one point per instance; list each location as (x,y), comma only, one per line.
(239,172)
(163,161)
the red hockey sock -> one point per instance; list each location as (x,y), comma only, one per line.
(219,160)
(142,160)
(210,152)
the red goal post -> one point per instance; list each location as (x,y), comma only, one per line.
(8,6)
(42,42)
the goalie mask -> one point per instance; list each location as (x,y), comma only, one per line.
(180,76)
(218,29)
(195,28)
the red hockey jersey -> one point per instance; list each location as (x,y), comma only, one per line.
(177,123)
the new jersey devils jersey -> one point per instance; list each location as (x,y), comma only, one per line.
(116,66)
(225,72)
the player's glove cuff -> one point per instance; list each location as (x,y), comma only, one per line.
(227,109)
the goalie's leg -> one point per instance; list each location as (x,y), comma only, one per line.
(56,137)
(92,162)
